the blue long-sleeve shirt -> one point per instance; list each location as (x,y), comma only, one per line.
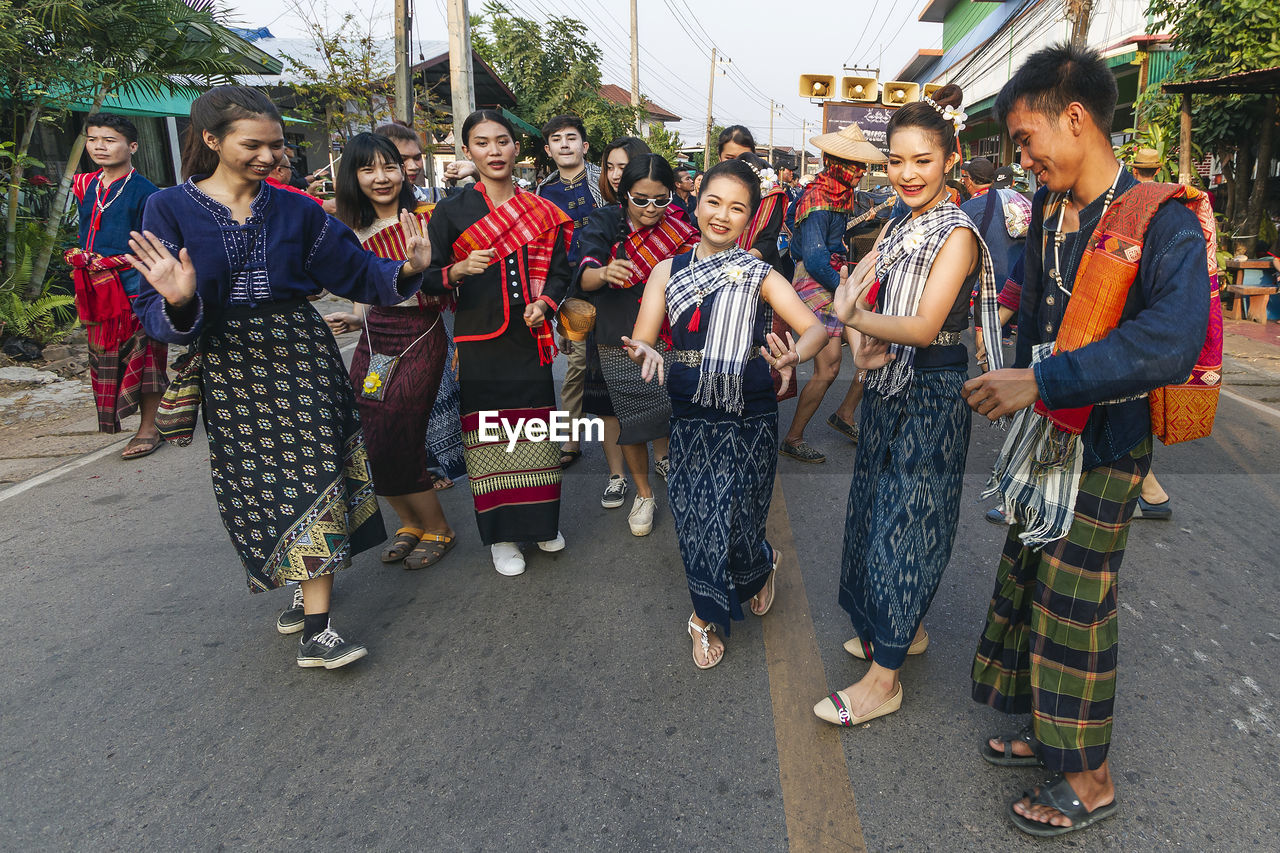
(816,238)
(287,248)
(1160,334)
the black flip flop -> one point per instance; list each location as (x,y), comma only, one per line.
(572,457)
(1006,757)
(1058,794)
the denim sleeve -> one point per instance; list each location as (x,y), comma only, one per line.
(810,244)
(1159,344)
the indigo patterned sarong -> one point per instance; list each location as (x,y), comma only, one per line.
(444,427)
(904,503)
(720,487)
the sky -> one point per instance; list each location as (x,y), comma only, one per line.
(769,49)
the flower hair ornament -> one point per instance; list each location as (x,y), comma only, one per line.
(955,115)
(768,177)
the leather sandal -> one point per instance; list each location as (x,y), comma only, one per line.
(140,446)
(703,634)
(430,551)
(773,595)
(1057,794)
(1007,757)
(406,539)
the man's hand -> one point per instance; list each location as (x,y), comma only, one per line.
(1002,392)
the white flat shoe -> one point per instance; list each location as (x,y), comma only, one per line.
(553,545)
(507,558)
(854,647)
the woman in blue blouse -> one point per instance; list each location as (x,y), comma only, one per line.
(228,262)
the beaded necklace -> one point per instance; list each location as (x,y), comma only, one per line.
(100,206)
(1059,235)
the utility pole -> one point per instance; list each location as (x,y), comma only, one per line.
(771,133)
(635,65)
(804,153)
(711,88)
(403,89)
(461,79)
(1079,12)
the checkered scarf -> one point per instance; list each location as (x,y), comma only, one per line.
(905,260)
(524,221)
(737,276)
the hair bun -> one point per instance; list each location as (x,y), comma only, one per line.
(949,95)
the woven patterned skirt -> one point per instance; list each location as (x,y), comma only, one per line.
(820,301)
(904,503)
(395,427)
(643,408)
(1050,643)
(720,488)
(444,427)
(595,393)
(517,491)
(290,471)
(121,376)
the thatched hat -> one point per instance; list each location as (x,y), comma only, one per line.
(848,143)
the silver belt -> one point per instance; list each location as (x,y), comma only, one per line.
(693,357)
(946,339)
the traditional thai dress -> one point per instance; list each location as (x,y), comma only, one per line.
(904,500)
(290,470)
(394,416)
(124,363)
(1113,311)
(643,408)
(724,429)
(504,366)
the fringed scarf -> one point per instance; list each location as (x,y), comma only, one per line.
(903,265)
(524,221)
(101,303)
(736,276)
(645,248)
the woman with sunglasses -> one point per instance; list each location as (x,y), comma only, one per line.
(620,247)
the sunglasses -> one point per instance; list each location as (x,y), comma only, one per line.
(645,202)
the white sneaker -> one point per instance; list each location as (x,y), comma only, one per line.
(556,544)
(507,558)
(641,517)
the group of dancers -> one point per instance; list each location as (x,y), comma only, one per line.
(696,332)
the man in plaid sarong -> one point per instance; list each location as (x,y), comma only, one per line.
(1071,470)
(128,370)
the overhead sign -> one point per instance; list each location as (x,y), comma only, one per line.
(872,119)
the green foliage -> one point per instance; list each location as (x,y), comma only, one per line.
(48,317)
(664,142)
(552,68)
(346,91)
(1153,136)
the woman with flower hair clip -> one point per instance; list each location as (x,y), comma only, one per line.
(719,300)
(908,300)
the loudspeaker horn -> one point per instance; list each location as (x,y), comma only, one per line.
(817,86)
(860,88)
(898,92)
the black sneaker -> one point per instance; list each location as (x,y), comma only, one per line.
(615,494)
(291,620)
(329,650)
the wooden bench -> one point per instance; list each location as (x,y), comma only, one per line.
(1255,295)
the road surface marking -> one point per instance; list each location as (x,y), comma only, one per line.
(65,467)
(1253,404)
(817,796)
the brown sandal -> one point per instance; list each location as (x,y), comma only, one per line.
(141,446)
(406,539)
(430,551)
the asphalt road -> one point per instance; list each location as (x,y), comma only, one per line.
(147,702)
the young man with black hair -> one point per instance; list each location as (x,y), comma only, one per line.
(128,370)
(685,196)
(574,188)
(1077,396)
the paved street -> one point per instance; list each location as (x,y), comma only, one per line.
(149,704)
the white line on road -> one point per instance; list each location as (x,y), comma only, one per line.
(1253,404)
(55,473)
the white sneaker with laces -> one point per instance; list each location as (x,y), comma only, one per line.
(556,544)
(507,558)
(641,516)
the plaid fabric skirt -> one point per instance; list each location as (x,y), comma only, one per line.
(120,377)
(444,427)
(395,427)
(820,301)
(1050,643)
(643,408)
(290,471)
(595,393)
(904,503)
(720,488)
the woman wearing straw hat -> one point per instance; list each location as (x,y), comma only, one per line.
(823,212)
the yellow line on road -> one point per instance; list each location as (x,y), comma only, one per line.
(817,796)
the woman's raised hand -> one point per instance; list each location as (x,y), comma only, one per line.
(173,278)
(649,359)
(417,246)
(872,353)
(782,357)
